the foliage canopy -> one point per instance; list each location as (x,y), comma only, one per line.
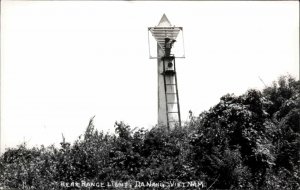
(248,141)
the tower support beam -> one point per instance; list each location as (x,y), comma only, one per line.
(168,100)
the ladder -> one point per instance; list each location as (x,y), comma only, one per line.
(171,93)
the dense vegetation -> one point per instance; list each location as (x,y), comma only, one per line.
(244,142)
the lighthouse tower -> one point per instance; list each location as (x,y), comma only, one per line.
(168,99)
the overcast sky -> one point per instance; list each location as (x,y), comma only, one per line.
(64,62)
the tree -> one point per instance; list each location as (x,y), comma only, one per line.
(250,141)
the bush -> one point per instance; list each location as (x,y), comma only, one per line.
(250,141)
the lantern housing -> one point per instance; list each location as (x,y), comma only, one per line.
(164,35)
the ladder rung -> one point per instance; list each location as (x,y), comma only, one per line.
(170,84)
(172,112)
(171,93)
(171,102)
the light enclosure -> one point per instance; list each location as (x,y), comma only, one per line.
(156,39)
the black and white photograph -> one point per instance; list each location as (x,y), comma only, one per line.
(149,95)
